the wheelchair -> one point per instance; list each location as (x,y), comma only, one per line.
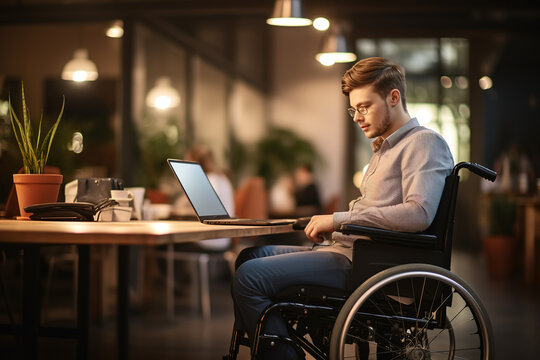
(401,300)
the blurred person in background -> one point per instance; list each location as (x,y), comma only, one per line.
(306,192)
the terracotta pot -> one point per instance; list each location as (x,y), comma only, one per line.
(36,189)
(499,251)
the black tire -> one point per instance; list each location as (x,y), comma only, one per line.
(400,313)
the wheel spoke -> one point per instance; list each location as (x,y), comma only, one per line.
(417,308)
(451,320)
(438,308)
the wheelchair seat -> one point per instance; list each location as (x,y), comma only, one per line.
(401,300)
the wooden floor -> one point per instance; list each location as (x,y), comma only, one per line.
(513,308)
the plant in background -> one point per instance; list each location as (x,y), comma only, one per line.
(502,216)
(34,148)
(281,151)
(158,138)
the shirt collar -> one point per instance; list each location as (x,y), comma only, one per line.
(396,136)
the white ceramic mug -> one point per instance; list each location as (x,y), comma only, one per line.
(137,193)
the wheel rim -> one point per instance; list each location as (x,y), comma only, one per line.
(395,334)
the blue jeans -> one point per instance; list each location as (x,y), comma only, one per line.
(261,272)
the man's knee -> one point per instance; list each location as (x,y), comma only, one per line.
(245,255)
(244,278)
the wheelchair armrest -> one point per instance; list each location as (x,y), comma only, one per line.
(400,238)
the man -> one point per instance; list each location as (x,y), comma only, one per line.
(400,191)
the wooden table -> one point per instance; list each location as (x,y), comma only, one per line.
(31,235)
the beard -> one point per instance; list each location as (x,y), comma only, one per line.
(385,124)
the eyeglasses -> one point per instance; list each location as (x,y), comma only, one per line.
(361,109)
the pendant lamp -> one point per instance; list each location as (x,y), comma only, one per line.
(163,96)
(288,13)
(335,49)
(116,30)
(80,68)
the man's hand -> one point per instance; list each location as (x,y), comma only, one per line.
(318,225)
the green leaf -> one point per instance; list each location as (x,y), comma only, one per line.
(26,120)
(34,153)
(15,120)
(52,131)
(39,130)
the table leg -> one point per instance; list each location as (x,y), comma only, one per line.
(170,281)
(123,302)
(83,301)
(530,251)
(31,301)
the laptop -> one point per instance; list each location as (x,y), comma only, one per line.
(204,199)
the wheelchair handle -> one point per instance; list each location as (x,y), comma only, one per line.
(477,169)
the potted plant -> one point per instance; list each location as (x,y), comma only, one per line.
(34,186)
(281,151)
(499,244)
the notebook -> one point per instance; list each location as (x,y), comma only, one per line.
(204,199)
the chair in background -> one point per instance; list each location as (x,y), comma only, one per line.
(55,257)
(250,201)
(5,261)
(201,258)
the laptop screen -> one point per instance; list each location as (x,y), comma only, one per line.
(198,189)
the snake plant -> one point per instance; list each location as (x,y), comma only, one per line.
(34,148)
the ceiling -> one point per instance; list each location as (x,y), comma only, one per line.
(363,15)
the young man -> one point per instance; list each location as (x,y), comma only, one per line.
(400,191)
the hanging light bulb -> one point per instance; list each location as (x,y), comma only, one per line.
(163,96)
(321,24)
(335,49)
(288,13)
(80,68)
(116,30)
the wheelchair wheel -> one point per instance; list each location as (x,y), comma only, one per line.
(412,312)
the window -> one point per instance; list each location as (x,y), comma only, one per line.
(437,88)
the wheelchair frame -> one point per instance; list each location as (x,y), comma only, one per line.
(323,322)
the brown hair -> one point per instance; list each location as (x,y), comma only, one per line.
(379,72)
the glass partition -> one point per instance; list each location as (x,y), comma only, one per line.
(221,104)
(437,88)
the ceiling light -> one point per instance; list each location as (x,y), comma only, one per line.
(321,24)
(163,96)
(80,68)
(485,82)
(446,82)
(462,82)
(335,49)
(288,13)
(116,30)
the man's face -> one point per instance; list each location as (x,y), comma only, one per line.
(377,121)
